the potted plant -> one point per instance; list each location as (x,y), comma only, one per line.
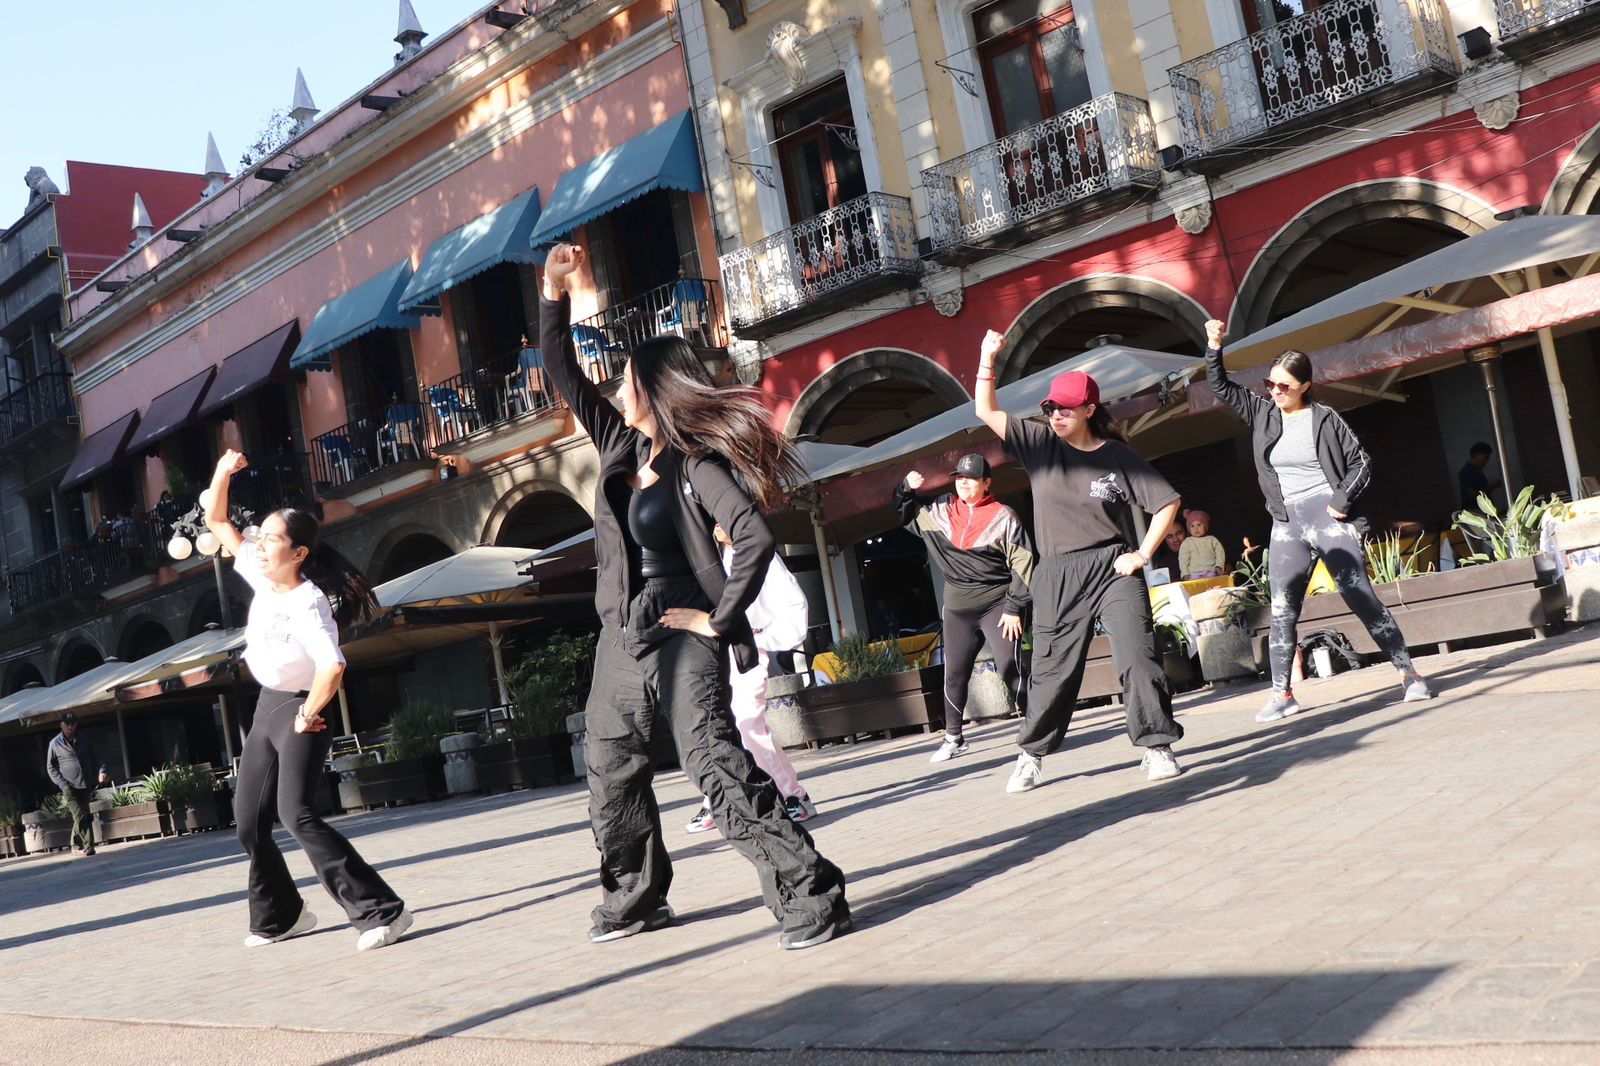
(132,811)
(49,827)
(532,747)
(876,690)
(196,800)
(412,768)
(11,843)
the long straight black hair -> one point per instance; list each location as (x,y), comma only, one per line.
(1102,425)
(698,418)
(325,567)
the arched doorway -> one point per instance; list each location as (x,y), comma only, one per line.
(21,675)
(79,657)
(141,637)
(540,518)
(411,552)
(872,395)
(208,612)
(1083,313)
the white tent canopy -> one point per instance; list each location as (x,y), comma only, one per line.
(1121,373)
(476,576)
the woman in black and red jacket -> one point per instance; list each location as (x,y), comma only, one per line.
(670,616)
(981,547)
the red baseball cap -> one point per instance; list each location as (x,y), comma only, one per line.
(1073,389)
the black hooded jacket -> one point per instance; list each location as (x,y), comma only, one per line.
(708,495)
(1344,462)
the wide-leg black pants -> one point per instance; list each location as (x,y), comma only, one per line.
(651,677)
(1069,593)
(278,779)
(964,633)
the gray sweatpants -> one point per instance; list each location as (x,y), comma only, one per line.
(1311,533)
(1069,593)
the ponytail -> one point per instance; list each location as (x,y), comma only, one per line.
(347,590)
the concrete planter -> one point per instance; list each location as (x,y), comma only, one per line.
(460,763)
(529,762)
(877,704)
(213,812)
(41,834)
(401,781)
(11,842)
(346,766)
(133,821)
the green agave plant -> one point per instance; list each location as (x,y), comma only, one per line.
(1496,538)
(128,795)
(10,811)
(1387,561)
(54,806)
(860,659)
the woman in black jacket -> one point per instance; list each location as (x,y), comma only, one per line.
(1312,471)
(669,617)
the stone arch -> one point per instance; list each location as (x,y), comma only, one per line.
(21,674)
(500,526)
(78,656)
(1576,190)
(830,389)
(1096,292)
(143,635)
(1354,205)
(407,547)
(207,611)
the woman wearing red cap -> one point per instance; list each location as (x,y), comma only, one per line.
(981,547)
(1086,480)
(1312,471)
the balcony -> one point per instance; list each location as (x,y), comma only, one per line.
(690,308)
(45,399)
(270,483)
(394,438)
(1343,55)
(1523,23)
(507,388)
(1018,185)
(829,261)
(120,550)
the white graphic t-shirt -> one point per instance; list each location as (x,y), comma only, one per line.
(289,635)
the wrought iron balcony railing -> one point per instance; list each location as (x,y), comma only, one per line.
(1518,17)
(508,386)
(690,308)
(1341,51)
(871,239)
(120,549)
(1106,144)
(44,399)
(271,482)
(397,434)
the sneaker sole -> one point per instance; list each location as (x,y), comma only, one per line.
(290,935)
(1014,787)
(1418,698)
(1164,775)
(699,828)
(397,929)
(834,929)
(939,757)
(1288,712)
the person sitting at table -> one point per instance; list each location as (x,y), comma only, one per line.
(1202,554)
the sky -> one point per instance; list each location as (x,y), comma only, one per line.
(141,84)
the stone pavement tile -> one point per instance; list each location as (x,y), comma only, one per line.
(1276,1020)
(1573,1014)
(1376,1014)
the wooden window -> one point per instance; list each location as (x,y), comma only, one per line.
(1032,59)
(818,151)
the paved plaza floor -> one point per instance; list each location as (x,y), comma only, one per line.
(1372,881)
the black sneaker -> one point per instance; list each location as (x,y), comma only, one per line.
(799,808)
(660,918)
(819,932)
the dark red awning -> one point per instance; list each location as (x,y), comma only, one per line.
(251,367)
(99,450)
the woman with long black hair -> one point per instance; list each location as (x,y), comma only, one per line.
(305,592)
(671,466)
(1085,481)
(1313,472)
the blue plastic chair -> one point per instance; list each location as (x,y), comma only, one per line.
(524,382)
(689,308)
(401,428)
(341,456)
(594,350)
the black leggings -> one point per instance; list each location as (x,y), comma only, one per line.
(964,633)
(1309,534)
(278,775)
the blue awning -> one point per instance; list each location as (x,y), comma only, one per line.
(374,304)
(501,236)
(663,158)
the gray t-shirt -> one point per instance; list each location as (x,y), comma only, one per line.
(1294,458)
(1078,496)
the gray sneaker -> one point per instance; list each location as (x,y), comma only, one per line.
(1279,706)
(951,747)
(1027,775)
(1160,764)
(1417,690)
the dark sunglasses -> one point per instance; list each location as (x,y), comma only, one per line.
(1050,407)
(1278,386)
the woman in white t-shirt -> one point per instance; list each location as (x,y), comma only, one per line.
(292,649)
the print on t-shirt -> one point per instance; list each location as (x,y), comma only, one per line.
(1106,488)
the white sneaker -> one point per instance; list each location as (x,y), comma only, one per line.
(1027,775)
(303,924)
(384,935)
(950,749)
(1278,706)
(1160,764)
(1417,690)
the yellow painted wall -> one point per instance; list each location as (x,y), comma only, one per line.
(1115,23)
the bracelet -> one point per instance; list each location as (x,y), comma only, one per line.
(985,377)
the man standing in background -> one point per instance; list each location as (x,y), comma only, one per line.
(75,767)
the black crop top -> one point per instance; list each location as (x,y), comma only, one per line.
(650,530)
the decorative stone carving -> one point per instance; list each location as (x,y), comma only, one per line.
(948,304)
(39,185)
(1493,87)
(746,359)
(783,43)
(1190,201)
